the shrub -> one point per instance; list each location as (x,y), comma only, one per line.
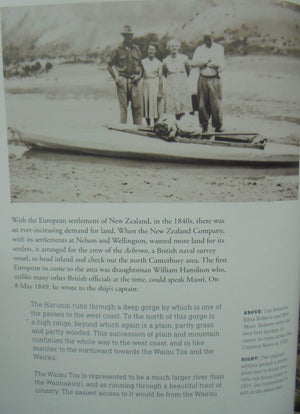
(48,66)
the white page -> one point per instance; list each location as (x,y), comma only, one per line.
(259,257)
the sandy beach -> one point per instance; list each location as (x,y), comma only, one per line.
(260,93)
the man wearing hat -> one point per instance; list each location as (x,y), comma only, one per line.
(209,58)
(125,67)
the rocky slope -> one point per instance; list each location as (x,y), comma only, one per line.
(68,30)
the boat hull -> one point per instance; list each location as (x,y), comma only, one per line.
(111,143)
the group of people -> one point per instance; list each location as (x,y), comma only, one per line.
(140,81)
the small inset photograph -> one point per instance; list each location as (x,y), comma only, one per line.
(154,101)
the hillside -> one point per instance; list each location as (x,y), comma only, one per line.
(85,30)
(81,29)
(247,27)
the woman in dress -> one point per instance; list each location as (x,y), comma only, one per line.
(176,68)
(152,86)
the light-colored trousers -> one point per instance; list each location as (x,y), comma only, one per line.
(130,92)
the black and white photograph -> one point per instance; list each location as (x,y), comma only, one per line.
(152,101)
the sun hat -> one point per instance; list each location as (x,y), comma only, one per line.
(127,30)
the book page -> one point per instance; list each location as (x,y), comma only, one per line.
(149,251)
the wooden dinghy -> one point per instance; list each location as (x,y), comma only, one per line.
(122,142)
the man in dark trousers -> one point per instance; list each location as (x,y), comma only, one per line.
(209,58)
(125,67)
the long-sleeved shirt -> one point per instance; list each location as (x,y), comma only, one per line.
(214,54)
(127,60)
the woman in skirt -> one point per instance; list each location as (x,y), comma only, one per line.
(176,68)
(152,86)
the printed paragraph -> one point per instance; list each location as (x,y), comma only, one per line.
(127,385)
(117,254)
(123,330)
(265,337)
